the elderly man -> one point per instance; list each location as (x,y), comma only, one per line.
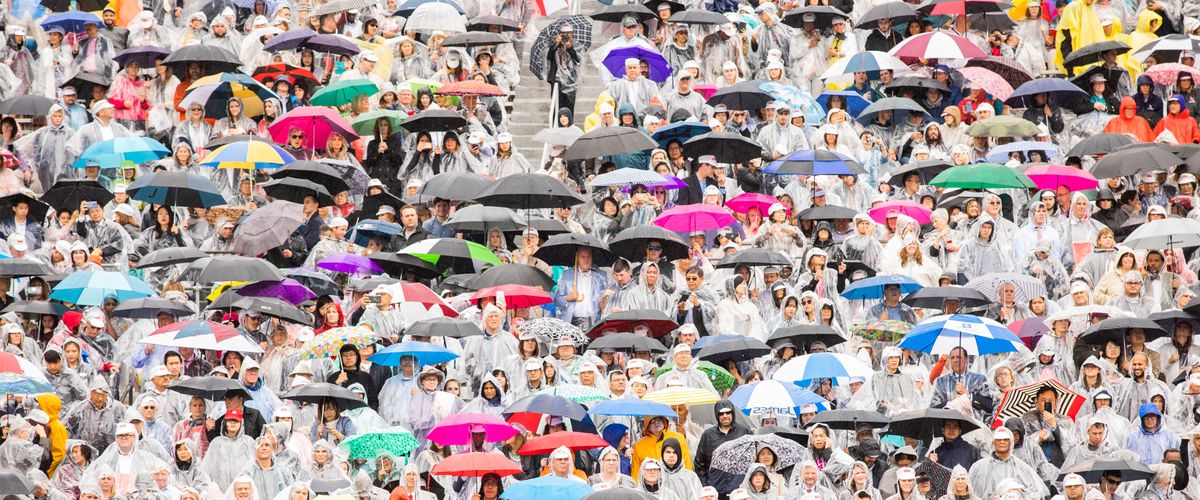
(987,474)
(684,371)
(364,70)
(683,98)
(579,289)
(633,88)
(891,307)
(127,458)
(95,420)
(1133,300)
(958,381)
(102,128)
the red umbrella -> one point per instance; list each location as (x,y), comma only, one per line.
(421,294)
(515,296)
(317,123)
(471,87)
(574,441)
(300,76)
(475,464)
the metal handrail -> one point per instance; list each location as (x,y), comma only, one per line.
(551,121)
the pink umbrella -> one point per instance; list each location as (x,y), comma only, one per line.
(316,122)
(907,207)
(988,80)
(1051,176)
(1166,74)
(705,90)
(456,429)
(936,45)
(743,202)
(698,217)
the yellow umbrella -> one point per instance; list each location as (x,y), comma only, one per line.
(220,289)
(672,396)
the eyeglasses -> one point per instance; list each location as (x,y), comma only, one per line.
(693,278)
(298,136)
(993,203)
(654,247)
(806,302)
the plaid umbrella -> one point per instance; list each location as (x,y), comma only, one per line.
(736,455)
(989,284)
(545,40)
(397,441)
(682,396)
(939,477)
(1021,400)
(553,330)
(327,344)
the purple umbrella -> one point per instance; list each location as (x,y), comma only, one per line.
(308,39)
(349,263)
(289,290)
(659,69)
(289,40)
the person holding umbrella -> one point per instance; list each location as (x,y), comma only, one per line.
(577,295)
(562,69)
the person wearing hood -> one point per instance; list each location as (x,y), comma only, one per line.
(45,148)
(95,420)
(653,482)
(243,487)
(186,468)
(1147,102)
(229,452)
(737,313)
(491,398)
(610,466)
(1152,437)
(421,417)
(983,254)
(350,372)
(807,480)
(656,432)
(649,292)
(726,429)
(1130,122)
(18,451)
(893,389)
(269,477)
(127,458)
(324,464)
(1179,121)
(678,478)
(235,120)
(758,484)
(487,352)
(1001,464)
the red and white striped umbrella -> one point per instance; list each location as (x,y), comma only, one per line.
(19,376)
(1021,400)
(937,45)
(418,294)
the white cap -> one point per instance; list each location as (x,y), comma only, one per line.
(681,348)
(16,241)
(15,30)
(95,319)
(125,209)
(533,364)
(385,209)
(1187,178)
(1002,432)
(249,364)
(283,411)
(708,159)
(739,494)
(369,56)
(1008,484)
(632,61)
(561,452)
(906,473)
(338,222)
(374,183)
(1079,286)
(728,65)
(1073,480)
(125,428)
(892,352)
(708,491)
(160,371)
(652,464)
(504,137)
(775,207)
(690,64)
(101,105)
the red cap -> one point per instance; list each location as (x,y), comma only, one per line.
(233,414)
(72,319)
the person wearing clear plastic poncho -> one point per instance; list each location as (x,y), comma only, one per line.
(269,475)
(987,473)
(18,451)
(242,487)
(228,453)
(185,468)
(125,458)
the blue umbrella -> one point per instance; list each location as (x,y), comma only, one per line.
(372,228)
(424,352)
(679,131)
(70,21)
(872,288)
(176,189)
(775,396)
(1060,90)
(803,369)
(999,154)
(659,69)
(815,162)
(854,103)
(977,335)
(89,288)
(797,99)
(408,7)
(632,408)
(547,488)
(289,40)
(116,152)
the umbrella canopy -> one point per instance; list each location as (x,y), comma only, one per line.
(885,330)
(1050,176)
(802,336)
(1027,287)
(936,45)
(452,253)
(746,96)
(214,59)
(549,487)
(983,176)
(727,147)
(200,334)
(547,404)
(735,349)
(628,342)
(1134,161)
(288,290)
(754,257)
(899,106)
(456,186)
(679,131)
(250,154)
(827,212)
(935,297)
(366,229)
(849,420)
(804,369)
(631,407)
(150,307)
(626,177)
(319,173)
(71,21)
(118,151)
(616,12)
(19,376)
(176,189)
(528,191)
(39,307)
(655,323)
(1170,45)
(515,296)
(516,274)
(975,334)
(210,388)
(1059,90)
(266,228)
(607,141)
(773,396)
(343,92)
(365,123)
(823,14)
(275,308)
(318,392)
(26,105)
(456,429)
(299,76)
(558,136)
(962,7)
(396,441)
(316,122)
(350,263)
(37,208)
(575,441)
(233,268)
(1003,126)
(475,464)
(89,288)
(697,16)
(328,343)
(424,353)
(742,203)
(815,162)
(659,72)
(679,395)
(471,87)
(736,455)
(1019,401)
(1175,232)
(633,243)
(853,103)
(868,61)
(213,93)
(562,250)
(554,330)
(430,17)
(927,424)
(882,212)
(896,12)
(418,293)
(1100,144)
(988,80)
(1094,52)
(696,217)
(1093,471)
(1117,329)
(1013,72)
(24,267)
(434,120)
(473,38)
(443,327)
(872,288)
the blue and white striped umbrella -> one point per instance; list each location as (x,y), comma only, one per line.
(977,335)
(806,368)
(775,396)
(872,288)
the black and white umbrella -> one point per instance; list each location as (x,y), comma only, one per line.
(582,41)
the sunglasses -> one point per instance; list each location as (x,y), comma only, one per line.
(654,247)
(299,136)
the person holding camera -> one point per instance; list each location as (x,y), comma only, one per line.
(563,69)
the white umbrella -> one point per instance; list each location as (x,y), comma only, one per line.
(1175,232)
(438,16)
(627,177)
(558,136)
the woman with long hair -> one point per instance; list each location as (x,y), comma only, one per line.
(385,155)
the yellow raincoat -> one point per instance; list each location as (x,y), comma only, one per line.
(1129,63)
(1147,22)
(51,404)
(650,446)
(1080,20)
(593,120)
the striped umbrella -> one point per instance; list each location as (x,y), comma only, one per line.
(937,45)
(200,334)
(248,155)
(679,395)
(213,92)
(806,368)
(1019,401)
(774,396)
(327,344)
(977,335)
(19,376)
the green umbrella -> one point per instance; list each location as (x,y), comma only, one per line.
(982,176)
(395,440)
(365,123)
(451,253)
(720,378)
(1003,126)
(343,92)
(886,330)
(576,392)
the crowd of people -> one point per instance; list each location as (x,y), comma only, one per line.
(729,298)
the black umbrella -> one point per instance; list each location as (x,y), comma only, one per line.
(631,243)
(951,7)
(608,141)
(149,307)
(14,482)
(371,283)
(482,23)
(926,424)
(1115,329)
(402,265)
(84,5)
(319,392)
(827,212)
(698,16)
(171,256)
(26,105)
(474,39)
(458,283)
(754,257)
(36,307)
(547,404)
(656,5)
(899,106)
(547,227)
(1167,319)
(896,12)
(371,204)
(232,268)
(316,172)
(916,84)
(227,299)
(1094,470)
(274,308)
(295,190)
(560,250)
(512,274)
(988,22)
(526,191)
(443,327)
(68,194)
(1093,52)
(434,120)
(926,169)
(616,13)
(849,420)
(1183,151)
(627,341)
(318,282)
(457,186)
(1099,144)
(728,147)
(212,58)
(37,209)
(145,56)
(1134,161)
(83,82)
(933,297)
(802,336)
(545,41)
(210,388)
(747,96)
(176,189)
(482,219)
(824,15)
(20,267)
(798,436)
(734,349)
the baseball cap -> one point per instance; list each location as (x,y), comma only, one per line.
(339,222)
(16,241)
(125,428)
(233,414)
(561,452)
(1002,433)
(370,56)
(906,473)
(681,348)
(1073,480)
(160,371)
(629,22)
(708,160)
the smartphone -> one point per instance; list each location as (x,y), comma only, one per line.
(92,204)
(1047,407)
(500,302)
(372,299)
